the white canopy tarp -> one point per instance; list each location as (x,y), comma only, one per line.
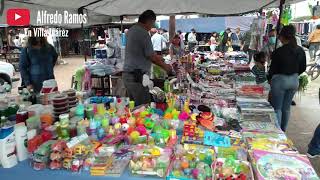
(93,18)
(165,7)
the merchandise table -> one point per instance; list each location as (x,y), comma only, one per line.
(222,127)
(23,169)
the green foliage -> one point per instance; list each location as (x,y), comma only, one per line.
(303,82)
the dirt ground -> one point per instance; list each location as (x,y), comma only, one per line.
(304,116)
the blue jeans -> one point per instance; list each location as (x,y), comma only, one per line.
(283,88)
(313,48)
(314,146)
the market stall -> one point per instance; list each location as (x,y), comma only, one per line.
(211,121)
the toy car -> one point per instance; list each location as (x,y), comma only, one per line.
(56,155)
(67,153)
(39,165)
(59,146)
(55,165)
(76,165)
(67,163)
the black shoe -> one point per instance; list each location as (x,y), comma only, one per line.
(293,103)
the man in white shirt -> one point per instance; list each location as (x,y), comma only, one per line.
(192,40)
(17,42)
(158,42)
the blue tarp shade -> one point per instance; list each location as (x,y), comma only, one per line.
(211,24)
(204,25)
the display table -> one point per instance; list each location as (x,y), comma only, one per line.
(23,169)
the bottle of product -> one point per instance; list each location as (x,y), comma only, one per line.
(166,86)
(64,126)
(120,107)
(21,138)
(25,94)
(93,129)
(7,87)
(33,97)
(20,90)
(22,114)
(8,157)
(3,121)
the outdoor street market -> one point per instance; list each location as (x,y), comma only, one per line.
(146,89)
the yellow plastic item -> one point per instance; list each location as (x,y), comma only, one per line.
(117,126)
(155,152)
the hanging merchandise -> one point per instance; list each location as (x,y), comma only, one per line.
(286,16)
(258,29)
(275,19)
(211,121)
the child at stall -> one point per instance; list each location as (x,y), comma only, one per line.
(259,69)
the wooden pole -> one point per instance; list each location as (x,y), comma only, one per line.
(172,26)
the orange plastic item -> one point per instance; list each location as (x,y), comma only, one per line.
(168,116)
(139,121)
(184,165)
(207,124)
(46,120)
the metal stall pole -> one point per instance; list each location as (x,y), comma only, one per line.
(80,11)
(279,21)
(121,24)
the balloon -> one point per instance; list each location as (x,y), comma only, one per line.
(142,130)
(134,135)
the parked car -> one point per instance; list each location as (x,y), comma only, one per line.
(7,73)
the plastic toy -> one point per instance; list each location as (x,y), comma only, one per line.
(191,162)
(55,165)
(139,121)
(214,139)
(123,120)
(142,130)
(105,122)
(34,143)
(134,135)
(39,166)
(59,146)
(148,123)
(230,168)
(67,163)
(189,129)
(67,153)
(150,160)
(206,120)
(282,166)
(80,150)
(117,126)
(183,116)
(76,165)
(125,127)
(131,121)
(55,156)
(114,120)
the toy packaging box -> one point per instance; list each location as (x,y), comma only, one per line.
(269,166)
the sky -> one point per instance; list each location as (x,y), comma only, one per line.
(302,8)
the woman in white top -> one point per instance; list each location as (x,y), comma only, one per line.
(213,41)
